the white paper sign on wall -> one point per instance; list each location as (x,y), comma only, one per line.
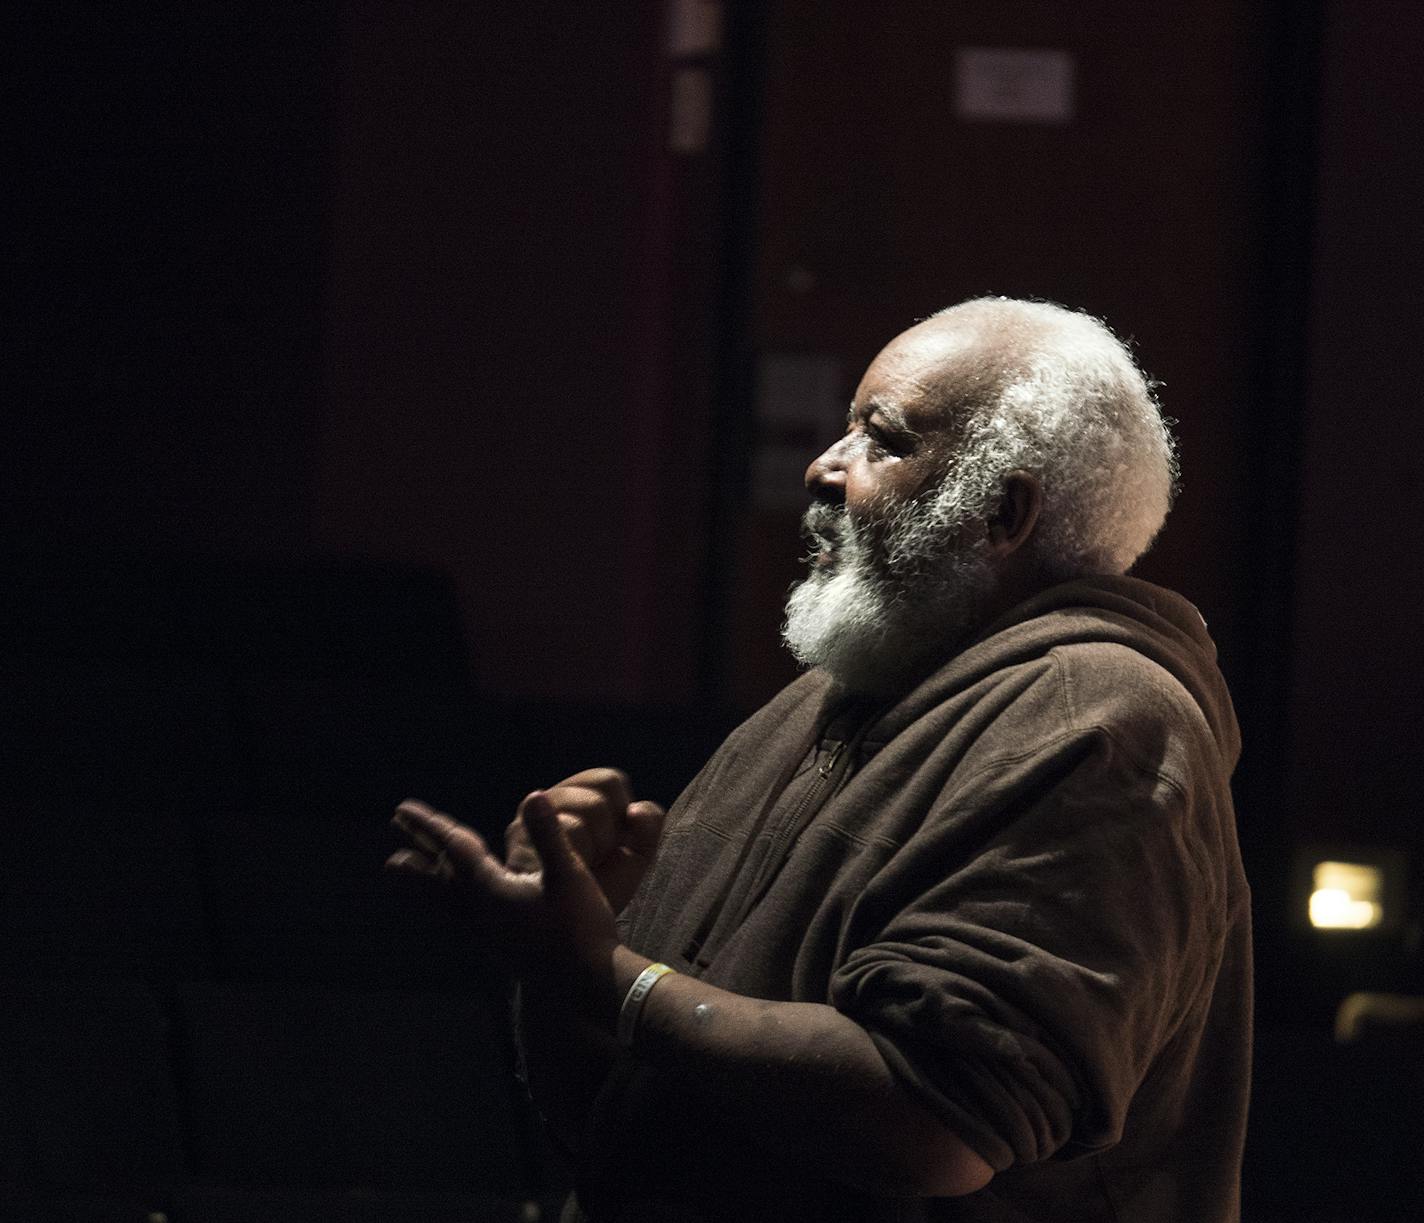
(1013,85)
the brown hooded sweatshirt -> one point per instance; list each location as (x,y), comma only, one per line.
(1022,879)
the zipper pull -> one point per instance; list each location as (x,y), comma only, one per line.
(830,762)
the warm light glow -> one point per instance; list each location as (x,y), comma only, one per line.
(1332,909)
(1346,896)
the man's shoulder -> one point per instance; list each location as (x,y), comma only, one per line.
(1107,682)
(1118,651)
(1141,713)
(1072,697)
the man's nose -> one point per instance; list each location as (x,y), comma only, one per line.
(825,478)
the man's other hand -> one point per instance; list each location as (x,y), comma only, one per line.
(551,925)
(616,838)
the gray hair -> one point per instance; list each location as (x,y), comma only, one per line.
(1068,403)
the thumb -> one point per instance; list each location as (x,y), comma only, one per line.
(550,840)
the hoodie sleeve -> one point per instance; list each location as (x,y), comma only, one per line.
(1021,988)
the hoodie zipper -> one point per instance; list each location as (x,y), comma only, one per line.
(824,772)
(698,953)
(829,774)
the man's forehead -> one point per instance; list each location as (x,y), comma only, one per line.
(925,373)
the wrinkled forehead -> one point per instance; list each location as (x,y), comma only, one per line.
(933,372)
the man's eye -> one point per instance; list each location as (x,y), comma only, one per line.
(883,442)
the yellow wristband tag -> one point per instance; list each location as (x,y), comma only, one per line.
(633,1004)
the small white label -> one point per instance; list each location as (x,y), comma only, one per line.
(1013,84)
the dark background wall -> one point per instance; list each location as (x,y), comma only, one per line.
(1357,660)
(171,188)
(382,392)
(496,339)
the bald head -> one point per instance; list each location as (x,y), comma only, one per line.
(957,358)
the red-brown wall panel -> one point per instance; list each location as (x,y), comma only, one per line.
(879,206)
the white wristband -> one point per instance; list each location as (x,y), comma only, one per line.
(633,1003)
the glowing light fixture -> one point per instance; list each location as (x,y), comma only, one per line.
(1346,896)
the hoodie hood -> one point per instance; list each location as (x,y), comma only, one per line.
(1151,620)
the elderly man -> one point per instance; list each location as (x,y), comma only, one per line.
(955,928)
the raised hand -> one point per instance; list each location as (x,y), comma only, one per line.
(616,838)
(545,922)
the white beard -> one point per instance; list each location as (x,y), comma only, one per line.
(877,614)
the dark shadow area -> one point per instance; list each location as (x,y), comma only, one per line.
(214,1002)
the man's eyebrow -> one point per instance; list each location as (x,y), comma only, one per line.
(887,412)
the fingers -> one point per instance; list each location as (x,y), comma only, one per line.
(418,822)
(597,801)
(429,830)
(580,837)
(613,784)
(413,862)
(592,808)
(549,837)
(644,828)
(443,847)
(598,829)
(520,854)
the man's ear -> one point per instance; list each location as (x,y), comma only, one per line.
(1013,522)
